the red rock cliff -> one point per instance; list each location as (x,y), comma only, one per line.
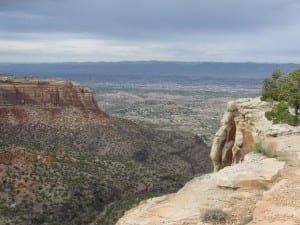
(45,92)
(19,94)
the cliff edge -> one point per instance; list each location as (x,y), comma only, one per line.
(248,187)
(45,92)
(31,99)
(244,124)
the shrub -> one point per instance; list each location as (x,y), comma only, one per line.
(264,186)
(259,148)
(247,219)
(285,89)
(280,114)
(214,215)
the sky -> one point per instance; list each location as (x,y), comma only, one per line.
(169,30)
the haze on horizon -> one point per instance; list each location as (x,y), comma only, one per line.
(129,30)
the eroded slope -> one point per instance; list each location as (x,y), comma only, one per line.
(99,165)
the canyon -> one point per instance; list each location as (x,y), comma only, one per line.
(247,186)
(63,160)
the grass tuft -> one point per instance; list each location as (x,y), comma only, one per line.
(247,219)
(214,215)
(259,148)
(264,186)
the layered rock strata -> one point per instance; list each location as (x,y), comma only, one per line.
(18,91)
(54,102)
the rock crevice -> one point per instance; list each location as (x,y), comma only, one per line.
(244,124)
(234,138)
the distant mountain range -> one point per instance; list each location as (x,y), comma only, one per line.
(127,70)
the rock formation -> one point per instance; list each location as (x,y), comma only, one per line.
(18,91)
(243,125)
(237,188)
(30,99)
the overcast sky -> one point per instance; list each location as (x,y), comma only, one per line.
(175,30)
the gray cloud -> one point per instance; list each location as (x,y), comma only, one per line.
(143,17)
(245,27)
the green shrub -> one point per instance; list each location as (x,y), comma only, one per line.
(280,114)
(214,215)
(264,186)
(247,219)
(285,89)
(259,148)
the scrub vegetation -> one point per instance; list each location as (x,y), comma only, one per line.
(285,90)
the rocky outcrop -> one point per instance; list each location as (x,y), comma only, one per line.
(243,125)
(211,191)
(30,99)
(17,91)
(237,188)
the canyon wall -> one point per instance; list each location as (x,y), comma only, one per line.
(16,91)
(54,102)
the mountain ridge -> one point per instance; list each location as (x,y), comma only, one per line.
(138,69)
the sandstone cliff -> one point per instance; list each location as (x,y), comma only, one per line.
(239,188)
(15,91)
(29,99)
(243,125)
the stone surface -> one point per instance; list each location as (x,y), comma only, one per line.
(202,193)
(251,173)
(280,204)
(244,124)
